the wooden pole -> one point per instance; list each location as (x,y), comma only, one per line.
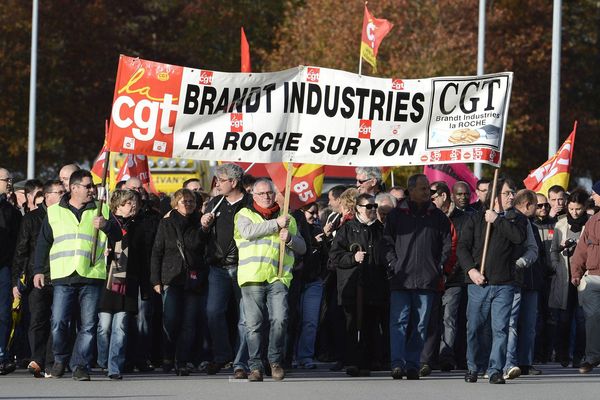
(488,228)
(286,208)
(102,199)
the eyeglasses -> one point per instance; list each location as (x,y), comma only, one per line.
(361,181)
(312,212)
(543,205)
(182,201)
(88,186)
(433,192)
(508,193)
(8,180)
(264,194)
(222,180)
(368,206)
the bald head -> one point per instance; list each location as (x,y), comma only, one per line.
(65,174)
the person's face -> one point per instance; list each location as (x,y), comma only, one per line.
(186,205)
(421,192)
(224,185)
(367,210)
(311,214)
(134,184)
(128,209)
(576,210)
(65,174)
(83,191)
(54,195)
(333,202)
(557,200)
(385,206)
(5,181)
(364,184)
(263,195)
(596,198)
(507,197)
(398,194)
(21,198)
(482,190)
(194,186)
(31,196)
(438,199)
(542,207)
(462,195)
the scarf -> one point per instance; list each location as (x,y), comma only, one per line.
(346,218)
(368,223)
(267,213)
(576,224)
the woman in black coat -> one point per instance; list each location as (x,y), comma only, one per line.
(361,281)
(178,273)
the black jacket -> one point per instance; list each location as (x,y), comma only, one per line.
(418,242)
(25,249)
(167,266)
(508,231)
(141,238)
(10,219)
(457,277)
(532,277)
(221,231)
(370,274)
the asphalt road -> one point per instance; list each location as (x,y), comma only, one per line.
(555,383)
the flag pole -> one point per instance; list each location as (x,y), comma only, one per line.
(488,228)
(286,208)
(103,197)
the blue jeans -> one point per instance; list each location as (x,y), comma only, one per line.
(181,309)
(112,341)
(405,352)
(143,324)
(63,306)
(5,309)
(259,300)
(491,303)
(222,284)
(521,334)
(310,307)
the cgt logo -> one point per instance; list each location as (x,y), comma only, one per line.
(237,122)
(397,84)
(312,74)
(206,77)
(365,129)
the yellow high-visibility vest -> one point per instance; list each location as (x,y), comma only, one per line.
(72,247)
(259,259)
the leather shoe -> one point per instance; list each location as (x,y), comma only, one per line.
(240,374)
(277,372)
(255,376)
(497,379)
(397,373)
(471,377)
(586,367)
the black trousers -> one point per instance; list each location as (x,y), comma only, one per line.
(361,352)
(40,338)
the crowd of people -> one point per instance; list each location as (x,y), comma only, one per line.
(366,280)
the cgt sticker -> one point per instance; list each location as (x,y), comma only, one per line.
(312,74)
(237,122)
(365,129)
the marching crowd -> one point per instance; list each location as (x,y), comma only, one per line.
(368,280)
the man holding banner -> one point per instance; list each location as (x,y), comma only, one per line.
(259,229)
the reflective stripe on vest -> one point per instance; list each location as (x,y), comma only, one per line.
(72,246)
(258,260)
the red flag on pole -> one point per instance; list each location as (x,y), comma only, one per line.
(452,173)
(135,166)
(373,32)
(555,171)
(245,52)
(98,165)
(307,182)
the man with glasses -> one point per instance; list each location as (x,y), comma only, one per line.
(222,258)
(10,219)
(40,300)
(481,189)
(65,241)
(368,180)
(259,230)
(417,243)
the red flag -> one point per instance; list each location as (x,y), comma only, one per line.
(245,52)
(98,165)
(135,166)
(555,171)
(307,182)
(373,32)
(452,173)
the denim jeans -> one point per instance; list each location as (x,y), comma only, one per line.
(310,307)
(222,284)
(260,300)
(521,334)
(143,325)
(181,309)
(408,307)
(491,303)
(112,341)
(64,303)
(5,308)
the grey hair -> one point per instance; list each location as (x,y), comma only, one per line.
(267,181)
(231,171)
(370,172)
(384,195)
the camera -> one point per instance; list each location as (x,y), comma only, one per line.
(568,248)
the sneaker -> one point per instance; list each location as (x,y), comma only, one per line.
(471,377)
(35,369)
(239,373)
(58,370)
(412,374)
(512,373)
(425,370)
(397,373)
(115,377)
(277,372)
(255,376)
(497,379)
(7,367)
(80,374)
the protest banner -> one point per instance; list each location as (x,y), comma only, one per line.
(307,115)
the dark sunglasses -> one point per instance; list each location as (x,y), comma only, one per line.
(543,205)
(433,192)
(368,206)
(88,186)
(361,181)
